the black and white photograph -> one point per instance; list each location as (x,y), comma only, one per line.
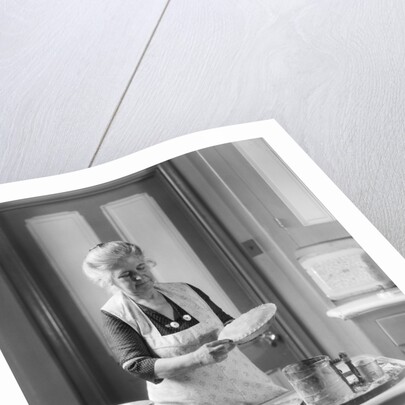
(213,277)
(202,202)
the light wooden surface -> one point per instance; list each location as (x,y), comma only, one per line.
(64,66)
(105,79)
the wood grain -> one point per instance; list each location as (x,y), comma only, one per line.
(63,69)
(330,72)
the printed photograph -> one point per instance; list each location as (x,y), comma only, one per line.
(216,277)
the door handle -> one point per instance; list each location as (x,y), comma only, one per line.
(271,338)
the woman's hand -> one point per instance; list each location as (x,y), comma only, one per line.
(209,353)
(213,352)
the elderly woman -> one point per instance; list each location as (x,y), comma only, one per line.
(166,333)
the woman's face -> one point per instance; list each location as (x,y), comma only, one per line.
(133,276)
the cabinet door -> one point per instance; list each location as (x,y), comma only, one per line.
(286,204)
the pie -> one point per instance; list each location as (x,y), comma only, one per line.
(249,325)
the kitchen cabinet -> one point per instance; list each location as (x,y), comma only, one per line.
(387,327)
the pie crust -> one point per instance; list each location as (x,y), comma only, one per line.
(249,325)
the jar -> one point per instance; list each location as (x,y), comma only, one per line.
(318,382)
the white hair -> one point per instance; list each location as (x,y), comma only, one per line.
(105,257)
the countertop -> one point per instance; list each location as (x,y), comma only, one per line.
(392,396)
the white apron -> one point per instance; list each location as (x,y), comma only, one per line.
(235,380)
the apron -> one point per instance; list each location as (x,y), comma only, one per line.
(236,380)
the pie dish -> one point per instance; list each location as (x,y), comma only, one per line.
(249,325)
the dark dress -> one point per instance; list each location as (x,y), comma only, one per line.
(130,348)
